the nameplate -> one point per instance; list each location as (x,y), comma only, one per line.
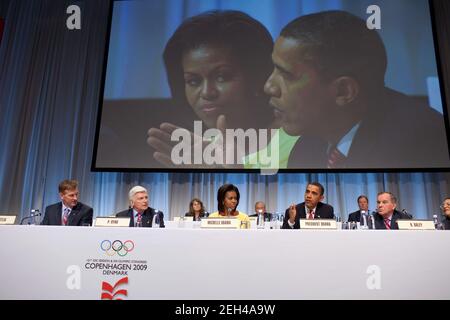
(221,223)
(189,219)
(112,222)
(415,224)
(7,219)
(318,224)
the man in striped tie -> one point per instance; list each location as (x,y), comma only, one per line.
(139,211)
(387,216)
(328,87)
(69,211)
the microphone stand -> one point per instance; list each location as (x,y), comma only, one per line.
(407,214)
(34,213)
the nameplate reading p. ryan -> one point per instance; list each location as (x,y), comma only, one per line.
(415,225)
(7,219)
(112,222)
(221,223)
(318,224)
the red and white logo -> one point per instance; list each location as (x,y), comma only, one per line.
(110,292)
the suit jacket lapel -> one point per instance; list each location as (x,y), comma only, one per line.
(302,213)
(358,216)
(59,214)
(318,212)
(147,217)
(131,215)
(395,217)
(73,215)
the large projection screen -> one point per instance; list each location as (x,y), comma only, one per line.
(285,85)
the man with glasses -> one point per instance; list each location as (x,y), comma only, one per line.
(445,207)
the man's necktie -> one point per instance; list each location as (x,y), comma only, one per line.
(66,216)
(387,223)
(335,158)
(310,215)
(139,219)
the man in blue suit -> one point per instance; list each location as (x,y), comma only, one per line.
(68,212)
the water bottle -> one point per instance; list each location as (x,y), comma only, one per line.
(260,219)
(274,221)
(437,224)
(338,222)
(364,220)
(372,222)
(156,220)
(280,218)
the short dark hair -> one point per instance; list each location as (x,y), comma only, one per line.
(391,195)
(317,184)
(338,43)
(362,196)
(248,40)
(221,195)
(67,185)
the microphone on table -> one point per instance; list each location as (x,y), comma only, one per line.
(407,214)
(33,213)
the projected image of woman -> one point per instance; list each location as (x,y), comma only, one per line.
(217,63)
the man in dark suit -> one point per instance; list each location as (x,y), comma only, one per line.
(445,207)
(387,216)
(140,213)
(68,212)
(260,208)
(312,208)
(328,87)
(363,204)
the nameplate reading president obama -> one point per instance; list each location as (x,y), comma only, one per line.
(318,224)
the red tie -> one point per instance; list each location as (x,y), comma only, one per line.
(139,218)
(311,215)
(66,216)
(387,223)
(335,158)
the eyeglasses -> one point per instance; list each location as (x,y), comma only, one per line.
(444,204)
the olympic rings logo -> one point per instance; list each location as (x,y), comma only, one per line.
(117,246)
